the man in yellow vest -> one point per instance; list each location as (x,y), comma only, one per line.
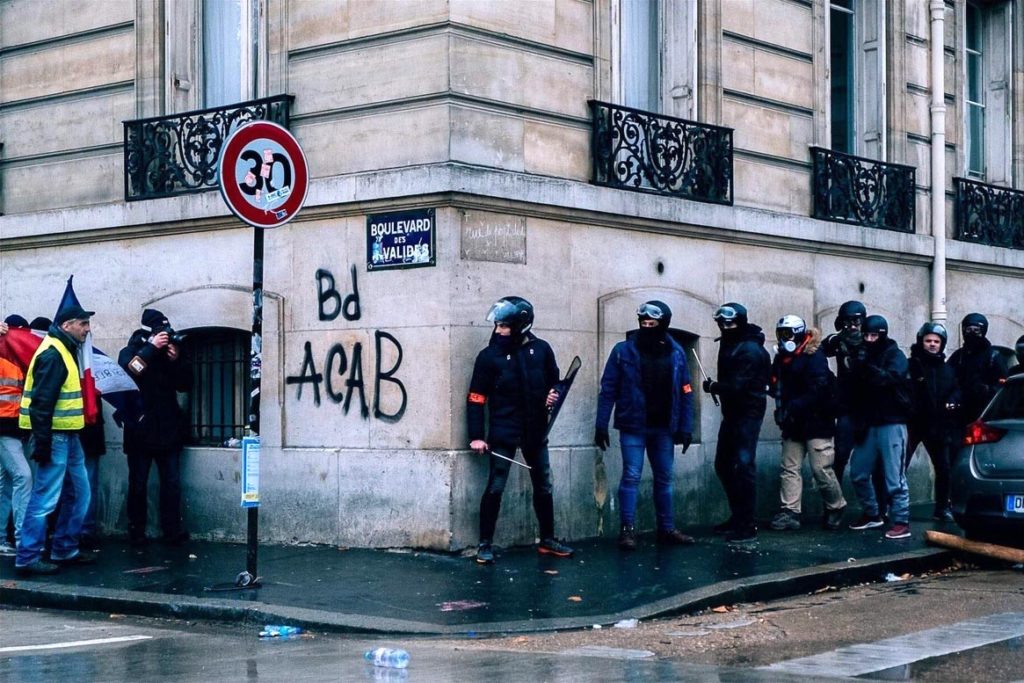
(52,408)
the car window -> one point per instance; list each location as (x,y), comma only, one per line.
(1008,403)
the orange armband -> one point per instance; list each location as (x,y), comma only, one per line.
(474,397)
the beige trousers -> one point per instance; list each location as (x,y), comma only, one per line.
(821,453)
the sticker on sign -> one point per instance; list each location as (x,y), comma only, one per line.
(263,174)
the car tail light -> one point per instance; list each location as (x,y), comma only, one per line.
(979,432)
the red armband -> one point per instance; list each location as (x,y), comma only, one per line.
(474,397)
(687,389)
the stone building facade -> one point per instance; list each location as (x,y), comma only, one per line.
(480,111)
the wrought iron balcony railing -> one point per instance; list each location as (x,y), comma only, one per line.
(988,214)
(852,189)
(177,154)
(637,150)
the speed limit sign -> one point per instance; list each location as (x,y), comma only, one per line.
(263,174)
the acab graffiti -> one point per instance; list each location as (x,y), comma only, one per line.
(342,377)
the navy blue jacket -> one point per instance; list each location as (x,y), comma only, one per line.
(803,387)
(622,388)
(881,385)
(744,370)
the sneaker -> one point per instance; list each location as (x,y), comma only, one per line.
(79,559)
(833,519)
(943,514)
(7,550)
(627,538)
(742,535)
(38,567)
(88,542)
(898,531)
(725,527)
(484,554)
(550,546)
(867,522)
(674,537)
(785,520)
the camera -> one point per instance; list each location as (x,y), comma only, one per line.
(173,337)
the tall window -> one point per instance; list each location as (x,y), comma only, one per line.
(986,91)
(219,400)
(640,54)
(857,77)
(227,51)
(841,53)
(975,95)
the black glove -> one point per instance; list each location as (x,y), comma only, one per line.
(710,386)
(42,452)
(684,438)
(601,438)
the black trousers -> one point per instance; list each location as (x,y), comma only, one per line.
(939,450)
(540,476)
(168,465)
(736,467)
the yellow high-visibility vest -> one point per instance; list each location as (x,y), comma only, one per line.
(69,412)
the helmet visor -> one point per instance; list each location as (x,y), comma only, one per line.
(501,312)
(785,333)
(651,311)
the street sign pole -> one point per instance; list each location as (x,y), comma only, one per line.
(263,179)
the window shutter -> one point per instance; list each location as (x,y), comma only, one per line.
(870,79)
(680,59)
(998,135)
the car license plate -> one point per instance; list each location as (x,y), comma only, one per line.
(1015,504)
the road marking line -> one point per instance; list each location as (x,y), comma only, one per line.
(73,643)
(865,658)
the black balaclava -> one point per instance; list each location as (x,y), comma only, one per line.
(652,338)
(974,342)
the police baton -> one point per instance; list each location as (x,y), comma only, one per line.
(511,460)
(699,365)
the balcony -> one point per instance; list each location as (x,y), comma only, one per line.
(177,154)
(990,215)
(860,191)
(644,152)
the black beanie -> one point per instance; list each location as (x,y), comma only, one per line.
(154,319)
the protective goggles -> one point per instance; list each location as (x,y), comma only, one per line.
(726,314)
(650,311)
(850,323)
(973,329)
(785,334)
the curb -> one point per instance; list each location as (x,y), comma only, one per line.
(752,589)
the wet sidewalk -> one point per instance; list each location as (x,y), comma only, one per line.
(377,591)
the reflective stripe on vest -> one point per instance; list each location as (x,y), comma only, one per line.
(69,411)
(12,381)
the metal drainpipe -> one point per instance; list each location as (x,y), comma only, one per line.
(938,188)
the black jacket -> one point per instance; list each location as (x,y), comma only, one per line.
(881,385)
(804,387)
(513,384)
(933,387)
(744,369)
(841,347)
(161,427)
(48,377)
(979,372)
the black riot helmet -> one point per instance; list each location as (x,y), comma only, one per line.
(878,325)
(850,311)
(937,329)
(1019,348)
(978,324)
(655,310)
(731,312)
(514,311)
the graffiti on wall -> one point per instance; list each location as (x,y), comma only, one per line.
(342,376)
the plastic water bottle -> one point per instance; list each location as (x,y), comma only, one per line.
(275,631)
(388,657)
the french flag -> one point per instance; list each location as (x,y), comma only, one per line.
(102,376)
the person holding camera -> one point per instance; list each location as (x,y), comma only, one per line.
(154,359)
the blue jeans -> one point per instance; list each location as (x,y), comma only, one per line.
(885,444)
(67,458)
(15,484)
(92,470)
(658,443)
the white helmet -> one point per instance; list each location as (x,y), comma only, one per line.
(790,332)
